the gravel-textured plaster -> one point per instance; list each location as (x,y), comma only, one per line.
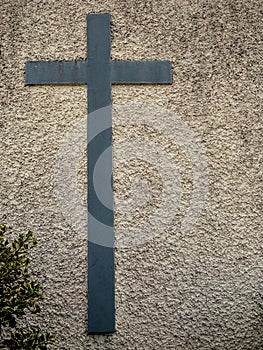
(180,291)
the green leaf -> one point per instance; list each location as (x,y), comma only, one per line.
(20,294)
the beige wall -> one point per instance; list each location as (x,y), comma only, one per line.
(183,289)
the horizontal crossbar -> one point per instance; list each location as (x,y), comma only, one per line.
(77,72)
(141,72)
(56,72)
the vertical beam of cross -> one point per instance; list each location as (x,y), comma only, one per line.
(99,72)
(101,305)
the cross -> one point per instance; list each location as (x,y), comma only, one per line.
(99,72)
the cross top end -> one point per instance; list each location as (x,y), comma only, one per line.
(98,44)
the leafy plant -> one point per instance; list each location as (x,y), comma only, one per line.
(20,294)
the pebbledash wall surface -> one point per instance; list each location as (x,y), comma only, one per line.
(186,170)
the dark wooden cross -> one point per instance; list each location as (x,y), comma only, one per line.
(99,72)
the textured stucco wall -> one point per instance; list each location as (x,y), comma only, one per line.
(180,290)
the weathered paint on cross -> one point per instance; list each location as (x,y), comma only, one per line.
(99,72)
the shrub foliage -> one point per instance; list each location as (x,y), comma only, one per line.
(20,294)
